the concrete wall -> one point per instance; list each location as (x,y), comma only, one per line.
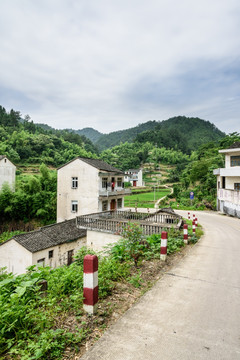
(86,194)
(96,240)
(60,253)
(7,173)
(228,158)
(229,208)
(15,257)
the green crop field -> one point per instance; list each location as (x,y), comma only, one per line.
(145,200)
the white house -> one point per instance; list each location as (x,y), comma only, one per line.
(134,176)
(87,186)
(7,172)
(228,182)
(52,245)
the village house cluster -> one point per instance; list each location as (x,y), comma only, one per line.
(90,207)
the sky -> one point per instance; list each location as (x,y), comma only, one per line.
(112,65)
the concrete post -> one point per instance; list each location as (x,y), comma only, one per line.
(193,227)
(185,234)
(163,251)
(90,283)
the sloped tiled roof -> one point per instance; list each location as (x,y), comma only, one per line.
(49,236)
(99,164)
(2,157)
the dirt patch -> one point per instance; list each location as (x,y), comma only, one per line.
(124,295)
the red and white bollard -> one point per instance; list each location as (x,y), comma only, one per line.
(196,221)
(193,216)
(189,217)
(90,283)
(163,251)
(193,227)
(185,234)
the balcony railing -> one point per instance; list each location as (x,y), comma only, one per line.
(115,221)
(115,192)
(233,196)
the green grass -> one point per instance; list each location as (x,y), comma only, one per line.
(145,200)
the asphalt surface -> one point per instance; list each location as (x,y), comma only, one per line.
(193,311)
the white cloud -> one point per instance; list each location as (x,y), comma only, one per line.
(80,63)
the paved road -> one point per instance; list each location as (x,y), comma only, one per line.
(193,312)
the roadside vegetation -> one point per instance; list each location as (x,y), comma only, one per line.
(35,324)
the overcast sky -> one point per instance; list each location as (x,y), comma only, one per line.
(112,64)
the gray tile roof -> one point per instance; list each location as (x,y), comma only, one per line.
(49,236)
(99,164)
(2,157)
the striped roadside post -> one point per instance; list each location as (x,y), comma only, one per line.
(196,221)
(193,227)
(163,251)
(193,216)
(185,234)
(189,216)
(90,283)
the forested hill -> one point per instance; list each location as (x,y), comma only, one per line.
(183,133)
(115,138)
(90,133)
(22,141)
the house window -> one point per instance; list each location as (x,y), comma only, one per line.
(104,206)
(119,182)
(74,182)
(74,206)
(237,186)
(5,160)
(41,262)
(104,183)
(119,203)
(50,254)
(235,160)
(70,257)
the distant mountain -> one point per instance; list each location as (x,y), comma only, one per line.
(90,133)
(45,127)
(181,133)
(115,138)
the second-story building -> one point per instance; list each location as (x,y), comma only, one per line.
(228,182)
(87,186)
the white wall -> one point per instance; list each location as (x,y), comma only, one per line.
(7,173)
(60,253)
(96,240)
(230,181)
(86,194)
(15,257)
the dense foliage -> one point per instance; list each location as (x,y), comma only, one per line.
(34,198)
(25,142)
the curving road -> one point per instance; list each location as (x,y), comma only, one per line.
(193,311)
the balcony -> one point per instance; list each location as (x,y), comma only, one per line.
(115,221)
(232,171)
(232,196)
(117,191)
